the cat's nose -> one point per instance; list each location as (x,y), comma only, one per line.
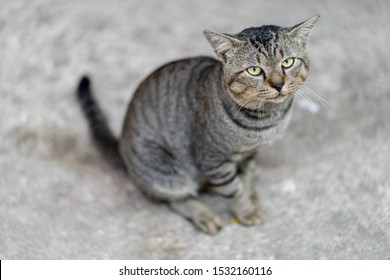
(278,86)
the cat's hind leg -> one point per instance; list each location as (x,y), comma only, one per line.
(180,194)
(156,171)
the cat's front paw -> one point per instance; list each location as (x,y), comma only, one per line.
(247,210)
(253,218)
(207,222)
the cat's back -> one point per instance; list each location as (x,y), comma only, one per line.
(176,74)
(167,99)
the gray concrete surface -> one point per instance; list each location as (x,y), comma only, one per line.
(325,187)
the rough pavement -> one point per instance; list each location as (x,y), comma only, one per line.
(325,187)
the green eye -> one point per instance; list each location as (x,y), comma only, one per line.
(288,62)
(254,71)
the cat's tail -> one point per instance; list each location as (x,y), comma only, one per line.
(101,133)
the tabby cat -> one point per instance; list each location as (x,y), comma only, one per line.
(194,124)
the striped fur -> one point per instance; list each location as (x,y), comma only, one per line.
(193,123)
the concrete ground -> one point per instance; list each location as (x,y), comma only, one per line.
(325,187)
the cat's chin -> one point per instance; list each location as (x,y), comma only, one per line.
(279,99)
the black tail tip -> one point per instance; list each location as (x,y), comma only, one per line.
(83,90)
(84,83)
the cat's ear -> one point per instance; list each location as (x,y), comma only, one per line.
(302,30)
(221,43)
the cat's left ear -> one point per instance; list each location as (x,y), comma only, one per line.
(222,43)
(302,30)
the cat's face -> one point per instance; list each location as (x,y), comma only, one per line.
(263,64)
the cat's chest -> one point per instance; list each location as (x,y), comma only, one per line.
(249,133)
(244,142)
(249,129)
(244,145)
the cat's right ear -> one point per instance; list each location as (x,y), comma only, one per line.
(302,30)
(222,43)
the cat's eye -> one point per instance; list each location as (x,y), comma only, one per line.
(288,63)
(254,71)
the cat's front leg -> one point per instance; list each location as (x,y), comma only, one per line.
(235,182)
(224,180)
(246,207)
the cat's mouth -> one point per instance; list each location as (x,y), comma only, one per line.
(277,98)
(255,100)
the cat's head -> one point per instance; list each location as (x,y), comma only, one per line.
(263,64)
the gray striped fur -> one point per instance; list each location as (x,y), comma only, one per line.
(195,124)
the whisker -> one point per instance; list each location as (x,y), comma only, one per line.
(260,105)
(310,93)
(248,99)
(316,84)
(306,101)
(314,93)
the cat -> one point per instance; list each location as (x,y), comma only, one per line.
(194,125)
